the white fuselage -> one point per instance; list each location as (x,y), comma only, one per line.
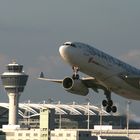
(105,68)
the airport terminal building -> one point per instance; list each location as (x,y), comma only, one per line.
(72,116)
(61,121)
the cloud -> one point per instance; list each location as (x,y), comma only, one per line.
(132,57)
(50,60)
(4,60)
(48,64)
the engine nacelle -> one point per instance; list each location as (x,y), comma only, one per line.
(75,86)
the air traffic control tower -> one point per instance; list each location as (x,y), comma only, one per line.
(14,81)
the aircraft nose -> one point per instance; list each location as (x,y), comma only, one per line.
(62,50)
(68,53)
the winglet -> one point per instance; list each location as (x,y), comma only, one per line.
(41,75)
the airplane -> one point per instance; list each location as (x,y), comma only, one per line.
(103,72)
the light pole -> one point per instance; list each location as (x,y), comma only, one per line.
(88,117)
(101,119)
(128,105)
(60,118)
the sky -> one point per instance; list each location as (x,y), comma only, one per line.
(31,32)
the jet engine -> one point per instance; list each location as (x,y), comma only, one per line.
(75,86)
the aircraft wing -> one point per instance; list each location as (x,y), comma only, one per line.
(89,82)
(42,77)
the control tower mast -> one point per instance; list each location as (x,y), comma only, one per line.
(14,81)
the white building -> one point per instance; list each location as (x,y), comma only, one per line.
(73,134)
(36,134)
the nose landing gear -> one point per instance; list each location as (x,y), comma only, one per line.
(75,75)
(109,103)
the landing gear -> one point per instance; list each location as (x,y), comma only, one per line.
(75,73)
(109,103)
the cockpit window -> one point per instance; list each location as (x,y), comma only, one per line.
(70,44)
(73,45)
(67,43)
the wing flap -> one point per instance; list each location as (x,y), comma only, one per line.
(92,83)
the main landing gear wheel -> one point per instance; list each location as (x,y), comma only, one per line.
(109,103)
(75,73)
